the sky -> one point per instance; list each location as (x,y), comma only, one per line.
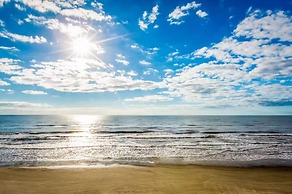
(205,57)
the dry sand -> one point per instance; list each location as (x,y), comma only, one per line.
(159,179)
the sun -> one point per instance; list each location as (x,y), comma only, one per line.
(82,46)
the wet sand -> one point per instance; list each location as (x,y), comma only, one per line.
(159,179)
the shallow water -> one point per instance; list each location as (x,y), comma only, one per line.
(145,140)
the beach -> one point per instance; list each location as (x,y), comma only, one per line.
(157,179)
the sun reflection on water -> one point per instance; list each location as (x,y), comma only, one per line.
(87,122)
(85,126)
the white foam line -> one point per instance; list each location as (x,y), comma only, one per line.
(78,166)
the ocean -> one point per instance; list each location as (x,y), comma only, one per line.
(88,141)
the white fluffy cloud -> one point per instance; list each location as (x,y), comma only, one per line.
(181,11)
(34,92)
(259,49)
(23,38)
(201,13)
(66,8)
(148,19)
(42,5)
(79,75)
(9,66)
(270,26)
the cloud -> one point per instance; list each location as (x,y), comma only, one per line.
(181,11)
(150,71)
(9,66)
(2,2)
(201,13)
(120,56)
(263,55)
(123,61)
(54,24)
(248,68)
(148,19)
(79,75)
(23,38)
(21,105)
(7,91)
(3,83)
(13,48)
(171,55)
(143,62)
(134,46)
(132,73)
(148,51)
(253,27)
(42,5)
(168,71)
(19,7)
(34,92)
(85,14)
(67,8)
(150,98)
(72,3)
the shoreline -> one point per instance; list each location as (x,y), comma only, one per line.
(166,178)
(276,162)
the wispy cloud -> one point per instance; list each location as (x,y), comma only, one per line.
(21,105)
(7,91)
(13,48)
(181,11)
(69,29)
(143,62)
(150,98)
(123,61)
(19,7)
(2,2)
(3,83)
(150,71)
(34,92)
(148,51)
(2,24)
(148,19)
(85,14)
(23,38)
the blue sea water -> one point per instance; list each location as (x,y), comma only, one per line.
(145,140)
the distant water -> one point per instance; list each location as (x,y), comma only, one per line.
(145,140)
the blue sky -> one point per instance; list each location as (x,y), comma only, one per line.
(145,57)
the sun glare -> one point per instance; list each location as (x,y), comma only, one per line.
(86,120)
(81,47)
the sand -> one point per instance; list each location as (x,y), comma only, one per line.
(159,179)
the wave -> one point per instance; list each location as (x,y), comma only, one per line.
(50,125)
(148,162)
